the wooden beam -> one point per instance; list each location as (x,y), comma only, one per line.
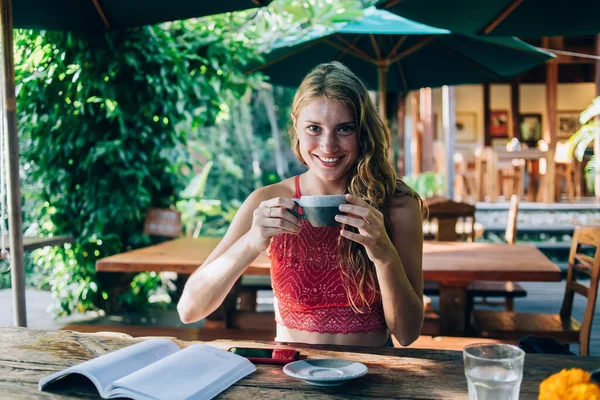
(551,101)
(597,141)
(400,114)
(13,186)
(426,113)
(449,127)
(487,115)
(415,147)
(501,17)
(515,112)
(598,66)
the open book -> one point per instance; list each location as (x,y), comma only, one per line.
(158,369)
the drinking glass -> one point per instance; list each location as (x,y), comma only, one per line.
(494,371)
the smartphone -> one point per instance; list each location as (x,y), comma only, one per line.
(267,356)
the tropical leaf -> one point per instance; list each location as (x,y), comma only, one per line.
(592,111)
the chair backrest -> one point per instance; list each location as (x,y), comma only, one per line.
(584,259)
(510,235)
(448,212)
(163,222)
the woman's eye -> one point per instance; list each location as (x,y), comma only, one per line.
(346,130)
(314,128)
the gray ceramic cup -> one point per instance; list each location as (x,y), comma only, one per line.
(320,211)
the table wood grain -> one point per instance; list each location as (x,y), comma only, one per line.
(26,355)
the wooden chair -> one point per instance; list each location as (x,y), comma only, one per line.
(448,212)
(562,326)
(464,179)
(163,222)
(508,290)
(510,177)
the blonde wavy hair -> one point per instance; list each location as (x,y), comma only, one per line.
(372,178)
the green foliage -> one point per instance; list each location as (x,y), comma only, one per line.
(105,122)
(584,137)
(426,184)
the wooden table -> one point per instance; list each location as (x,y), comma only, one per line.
(454,264)
(27,355)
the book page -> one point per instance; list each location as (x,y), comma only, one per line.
(197,369)
(106,369)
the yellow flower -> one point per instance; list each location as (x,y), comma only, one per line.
(588,391)
(572,384)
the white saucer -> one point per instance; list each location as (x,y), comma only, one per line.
(325,372)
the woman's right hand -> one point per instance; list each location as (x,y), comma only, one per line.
(272,218)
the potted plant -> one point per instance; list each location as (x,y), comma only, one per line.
(581,140)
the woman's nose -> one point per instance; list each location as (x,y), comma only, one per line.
(329,144)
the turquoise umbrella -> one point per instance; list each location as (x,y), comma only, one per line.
(390,52)
(527,18)
(97,15)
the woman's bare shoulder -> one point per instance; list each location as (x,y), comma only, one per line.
(285,188)
(405,206)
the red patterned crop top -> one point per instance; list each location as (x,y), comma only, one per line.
(309,285)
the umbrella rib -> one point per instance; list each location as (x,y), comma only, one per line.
(401,75)
(388,4)
(397,46)
(375,46)
(477,64)
(352,49)
(341,53)
(412,49)
(101,13)
(501,17)
(284,56)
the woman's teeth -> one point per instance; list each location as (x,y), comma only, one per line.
(329,160)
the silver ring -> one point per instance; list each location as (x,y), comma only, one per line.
(269,212)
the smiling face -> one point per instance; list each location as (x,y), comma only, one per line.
(328,140)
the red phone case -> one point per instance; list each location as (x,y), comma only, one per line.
(279,357)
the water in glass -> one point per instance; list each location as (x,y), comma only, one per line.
(493,383)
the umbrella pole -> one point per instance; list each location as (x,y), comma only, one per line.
(382,68)
(12,155)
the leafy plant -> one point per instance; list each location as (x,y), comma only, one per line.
(105,122)
(426,184)
(581,140)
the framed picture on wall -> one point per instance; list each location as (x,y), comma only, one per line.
(567,124)
(531,127)
(499,123)
(466,126)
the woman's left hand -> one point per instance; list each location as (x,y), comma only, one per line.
(371,228)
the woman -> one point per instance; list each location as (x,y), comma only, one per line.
(352,285)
